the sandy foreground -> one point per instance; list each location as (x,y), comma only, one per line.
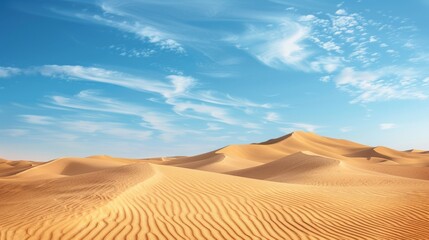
(300,186)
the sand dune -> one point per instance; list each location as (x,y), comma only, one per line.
(352,155)
(8,168)
(292,166)
(300,186)
(71,166)
(213,161)
(417,151)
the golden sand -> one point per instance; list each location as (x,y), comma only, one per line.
(300,186)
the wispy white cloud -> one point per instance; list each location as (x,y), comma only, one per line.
(276,45)
(132,52)
(306,126)
(107,128)
(331,46)
(321,42)
(293,126)
(213,127)
(336,36)
(165,124)
(387,126)
(125,133)
(226,100)
(218,74)
(250,125)
(144,31)
(346,129)
(36,119)
(341,12)
(163,25)
(285,126)
(14,132)
(326,64)
(85,126)
(272,117)
(202,111)
(179,86)
(91,101)
(71,127)
(381,84)
(76,72)
(357,47)
(9,71)
(325,78)
(178,92)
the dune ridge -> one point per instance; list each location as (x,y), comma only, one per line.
(299,186)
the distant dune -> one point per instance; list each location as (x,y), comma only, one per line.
(299,186)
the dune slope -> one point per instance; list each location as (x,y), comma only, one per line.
(146,201)
(354,159)
(301,186)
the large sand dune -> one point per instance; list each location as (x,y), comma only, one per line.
(300,186)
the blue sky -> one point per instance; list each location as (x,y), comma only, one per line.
(157,78)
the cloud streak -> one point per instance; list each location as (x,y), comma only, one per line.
(68,128)
(178,91)
(92,101)
(381,84)
(36,119)
(143,31)
(14,132)
(293,126)
(387,126)
(9,72)
(178,84)
(106,128)
(324,42)
(279,44)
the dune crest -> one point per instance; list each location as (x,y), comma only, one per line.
(299,186)
(361,158)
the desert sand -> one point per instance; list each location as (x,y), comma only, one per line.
(299,186)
